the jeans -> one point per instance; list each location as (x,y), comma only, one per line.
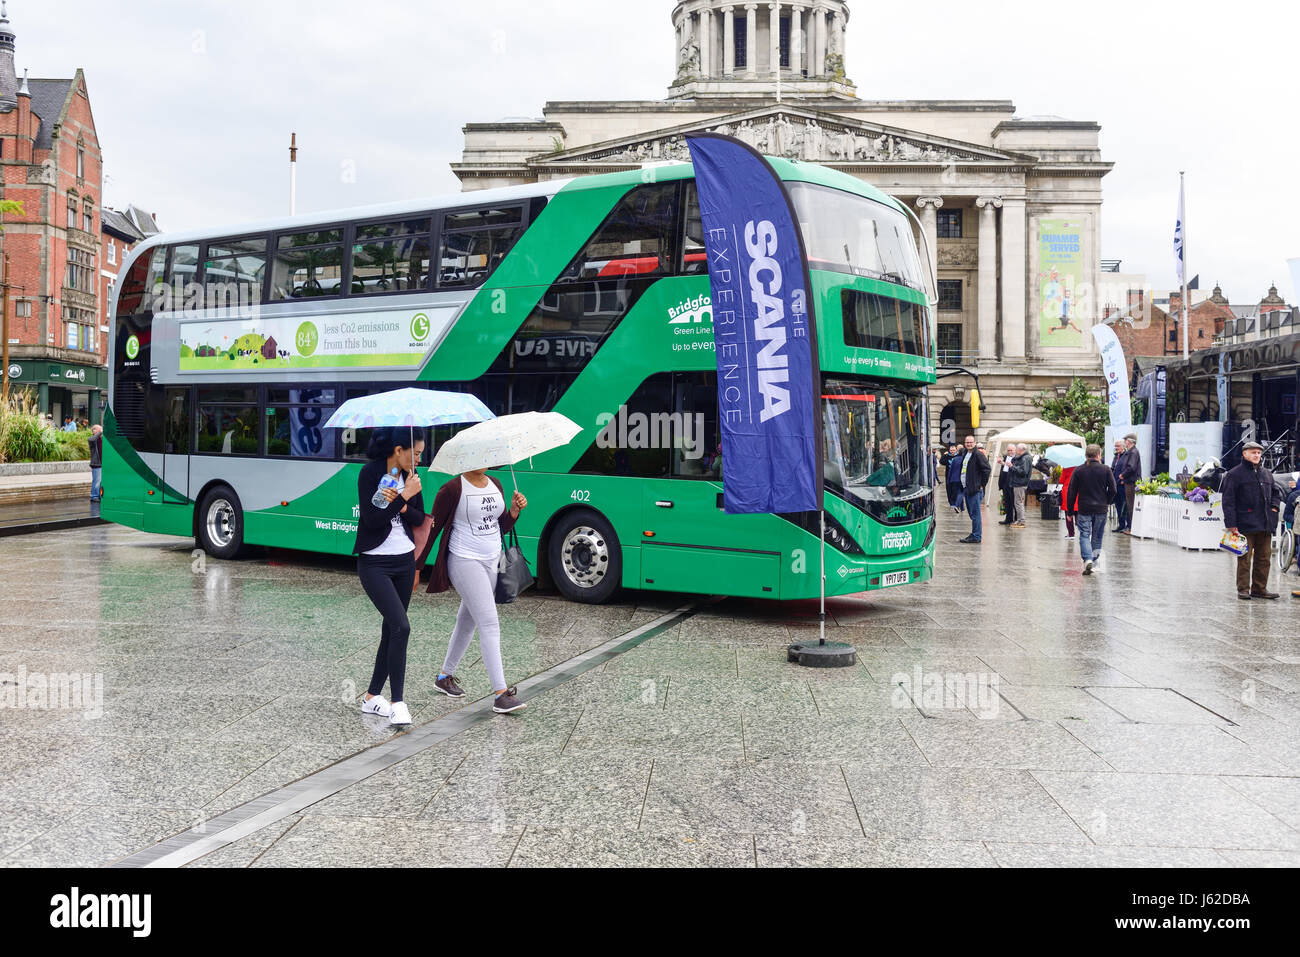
(1092,529)
(95,476)
(975,506)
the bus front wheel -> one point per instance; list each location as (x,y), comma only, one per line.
(584,557)
(221,523)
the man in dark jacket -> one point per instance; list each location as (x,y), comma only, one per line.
(1117,469)
(1129,476)
(1004,486)
(1251,501)
(1022,467)
(975,471)
(1092,489)
(952,465)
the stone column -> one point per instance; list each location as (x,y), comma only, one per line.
(929,207)
(1013,279)
(706,43)
(988,273)
(796,40)
(774,40)
(819,42)
(729,41)
(751,40)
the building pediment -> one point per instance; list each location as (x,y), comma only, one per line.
(794,132)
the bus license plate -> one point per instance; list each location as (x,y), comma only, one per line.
(895,578)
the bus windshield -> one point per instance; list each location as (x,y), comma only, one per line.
(873,441)
(853,234)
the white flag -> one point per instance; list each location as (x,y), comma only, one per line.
(1178,238)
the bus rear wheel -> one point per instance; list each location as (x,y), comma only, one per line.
(584,557)
(221,523)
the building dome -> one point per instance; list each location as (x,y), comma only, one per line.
(725,48)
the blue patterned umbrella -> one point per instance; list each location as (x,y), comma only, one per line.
(413,408)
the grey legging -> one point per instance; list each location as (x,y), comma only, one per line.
(475,580)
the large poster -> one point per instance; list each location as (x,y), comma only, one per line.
(376,340)
(1192,444)
(1060,280)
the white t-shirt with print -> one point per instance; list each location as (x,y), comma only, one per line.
(397,542)
(476,528)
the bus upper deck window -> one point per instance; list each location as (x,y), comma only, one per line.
(308,265)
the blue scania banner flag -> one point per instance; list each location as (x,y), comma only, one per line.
(764,331)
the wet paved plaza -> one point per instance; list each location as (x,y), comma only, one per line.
(1141,717)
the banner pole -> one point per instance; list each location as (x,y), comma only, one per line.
(822,615)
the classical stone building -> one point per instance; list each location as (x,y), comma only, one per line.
(1010,206)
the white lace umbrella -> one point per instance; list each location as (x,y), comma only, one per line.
(504,441)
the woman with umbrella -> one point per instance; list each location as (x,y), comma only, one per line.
(391,508)
(469,514)
(389,496)
(1068,458)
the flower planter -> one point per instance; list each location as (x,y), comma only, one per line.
(1200,526)
(1144,518)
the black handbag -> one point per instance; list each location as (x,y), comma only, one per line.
(513,574)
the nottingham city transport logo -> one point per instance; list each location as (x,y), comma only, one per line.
(420,327)
(897,540)
(132,347)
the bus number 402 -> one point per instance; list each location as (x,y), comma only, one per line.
(579,496)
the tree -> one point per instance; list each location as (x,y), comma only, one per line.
(1080,410)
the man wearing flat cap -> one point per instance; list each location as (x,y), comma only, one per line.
(1251,501)
(1130,475)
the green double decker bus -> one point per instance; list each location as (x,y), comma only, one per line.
(588,297)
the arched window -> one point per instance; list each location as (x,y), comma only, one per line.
(81,159)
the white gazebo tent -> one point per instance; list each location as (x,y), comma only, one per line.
(1033,432)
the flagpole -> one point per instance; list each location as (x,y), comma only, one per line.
(1186,305)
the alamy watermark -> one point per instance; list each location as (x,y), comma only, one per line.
(37,691)
(652,430)
(953,691)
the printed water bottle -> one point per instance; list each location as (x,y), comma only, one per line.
(388,481)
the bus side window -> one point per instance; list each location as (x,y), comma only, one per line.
(308,265)
(637,239)
(233,272)
(474,243)
(635,439)
(182,272)
(697,443)
(695,257)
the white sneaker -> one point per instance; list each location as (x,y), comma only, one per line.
(401,713)
(1096,563)
(377,705)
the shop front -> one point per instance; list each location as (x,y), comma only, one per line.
(1249,389)
(61,389)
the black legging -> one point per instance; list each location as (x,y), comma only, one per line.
(388,580)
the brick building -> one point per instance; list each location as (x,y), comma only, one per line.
(50,162)
(1149,330)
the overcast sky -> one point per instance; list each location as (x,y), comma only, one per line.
(194,99)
